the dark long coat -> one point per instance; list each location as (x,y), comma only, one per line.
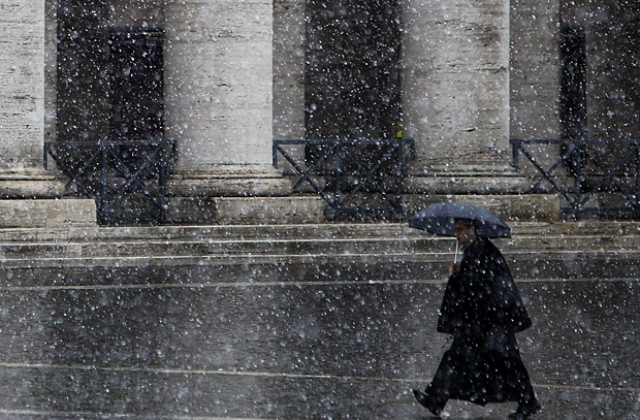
(483,310)
(482,294)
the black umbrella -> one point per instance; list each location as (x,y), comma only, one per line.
(439,219)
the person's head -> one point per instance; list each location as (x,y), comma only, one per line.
(465,232)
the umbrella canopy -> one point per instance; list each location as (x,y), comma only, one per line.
(439,219)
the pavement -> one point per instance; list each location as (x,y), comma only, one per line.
(277,332)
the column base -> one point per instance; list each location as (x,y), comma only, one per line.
(483,176)
(228,194)
(228,181)
(29,183)
(47,213)
(31,197)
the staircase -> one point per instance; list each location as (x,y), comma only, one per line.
(297,321)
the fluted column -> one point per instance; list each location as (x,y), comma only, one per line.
(32,190)
(218,78)
(22,39)
(456,91)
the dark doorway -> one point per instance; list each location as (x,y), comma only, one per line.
(82,107)
(573,83)
(136,102)
(110,112)
(109,80)
(573,94)
(352,75)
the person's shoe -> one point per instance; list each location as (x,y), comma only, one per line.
(428,402)
(526,411)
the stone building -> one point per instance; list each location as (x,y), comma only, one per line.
(225,77)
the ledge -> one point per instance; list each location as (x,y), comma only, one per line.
(47,213)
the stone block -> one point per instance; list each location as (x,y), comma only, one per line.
(517,207)
(462,183)
(262,210)
(47,213)
(228,181)
(191,210)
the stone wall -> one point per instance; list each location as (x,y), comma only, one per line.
(288,69)
(50,70)
(535,74)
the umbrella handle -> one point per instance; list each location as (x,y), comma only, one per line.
(455,256)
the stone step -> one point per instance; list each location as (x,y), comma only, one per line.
(134,273)
(299,231)
(327,240)
(267,270)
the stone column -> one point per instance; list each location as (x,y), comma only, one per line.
(218,78)
(22,29)
(456,94)
(33,191)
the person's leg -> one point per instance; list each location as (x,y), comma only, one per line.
(437,393)
(528,404)
(455,377)
(429,402)
(435,396)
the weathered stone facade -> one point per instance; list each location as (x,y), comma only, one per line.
(22,101)
(22,82)
(473,75)
(534,65)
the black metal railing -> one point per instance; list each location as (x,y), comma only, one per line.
(601,178)
(358,179)
(127,179)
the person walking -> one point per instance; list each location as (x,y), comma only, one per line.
(483,310)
